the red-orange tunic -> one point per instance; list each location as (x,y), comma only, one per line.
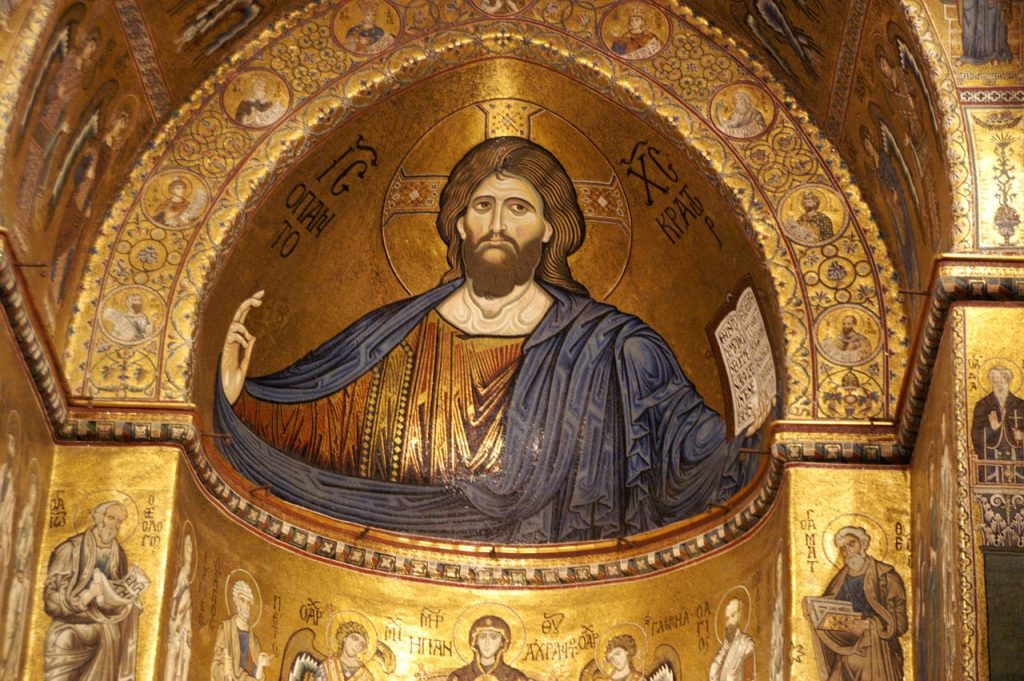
(432,411)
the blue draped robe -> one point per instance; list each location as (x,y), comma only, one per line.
(604,436)
(985,36)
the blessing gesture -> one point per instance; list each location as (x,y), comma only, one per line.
(234,358)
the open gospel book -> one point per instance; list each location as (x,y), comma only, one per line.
(827,614)
(740,340)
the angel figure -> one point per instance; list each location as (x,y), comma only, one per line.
(620,661)
(352,647)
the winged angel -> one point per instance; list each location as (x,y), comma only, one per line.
(617,660)
(353,652)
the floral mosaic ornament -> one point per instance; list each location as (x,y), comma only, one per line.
(238,163)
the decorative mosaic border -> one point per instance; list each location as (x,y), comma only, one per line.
(32,350)
(846,65)
(969,658)
(956,280)
(1001,96)
(140,44)
(453,46)
(466,572)
(959,167)
(880,448)
(15,65)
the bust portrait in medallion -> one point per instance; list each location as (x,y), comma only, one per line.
(503,405)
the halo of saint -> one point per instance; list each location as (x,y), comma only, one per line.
(879,537)
(83,517)
(470,616)
(243,575)
(740,593)
(622,652)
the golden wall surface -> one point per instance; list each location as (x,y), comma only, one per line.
(111,635)
(822,502)
(934,490)
(904,117)
(990,479)
(420,627)
(25,468)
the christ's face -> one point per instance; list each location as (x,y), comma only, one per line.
(503,232)
(488,643)
(618,658)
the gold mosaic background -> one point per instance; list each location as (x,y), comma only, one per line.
(930,144)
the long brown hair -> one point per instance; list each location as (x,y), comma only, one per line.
(538,166)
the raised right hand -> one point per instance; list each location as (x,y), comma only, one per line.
(234,358)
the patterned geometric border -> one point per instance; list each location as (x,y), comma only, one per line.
(846,65)
(963,278)
(141,41)
(821,442)
(33,351)
(1000,96)
(14,64)
(168,364)
(957,151)
(969,657)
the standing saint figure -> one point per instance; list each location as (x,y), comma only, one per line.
(92,594)
(985,37)
(489,638)
(7,505)
(504,405)
(236,652)
(16,620)
(735,658)
(179,626)
(96,156)
(53,125)
(997,429)
(869,648)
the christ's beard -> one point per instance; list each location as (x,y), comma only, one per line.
(856,563)
(496,265)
